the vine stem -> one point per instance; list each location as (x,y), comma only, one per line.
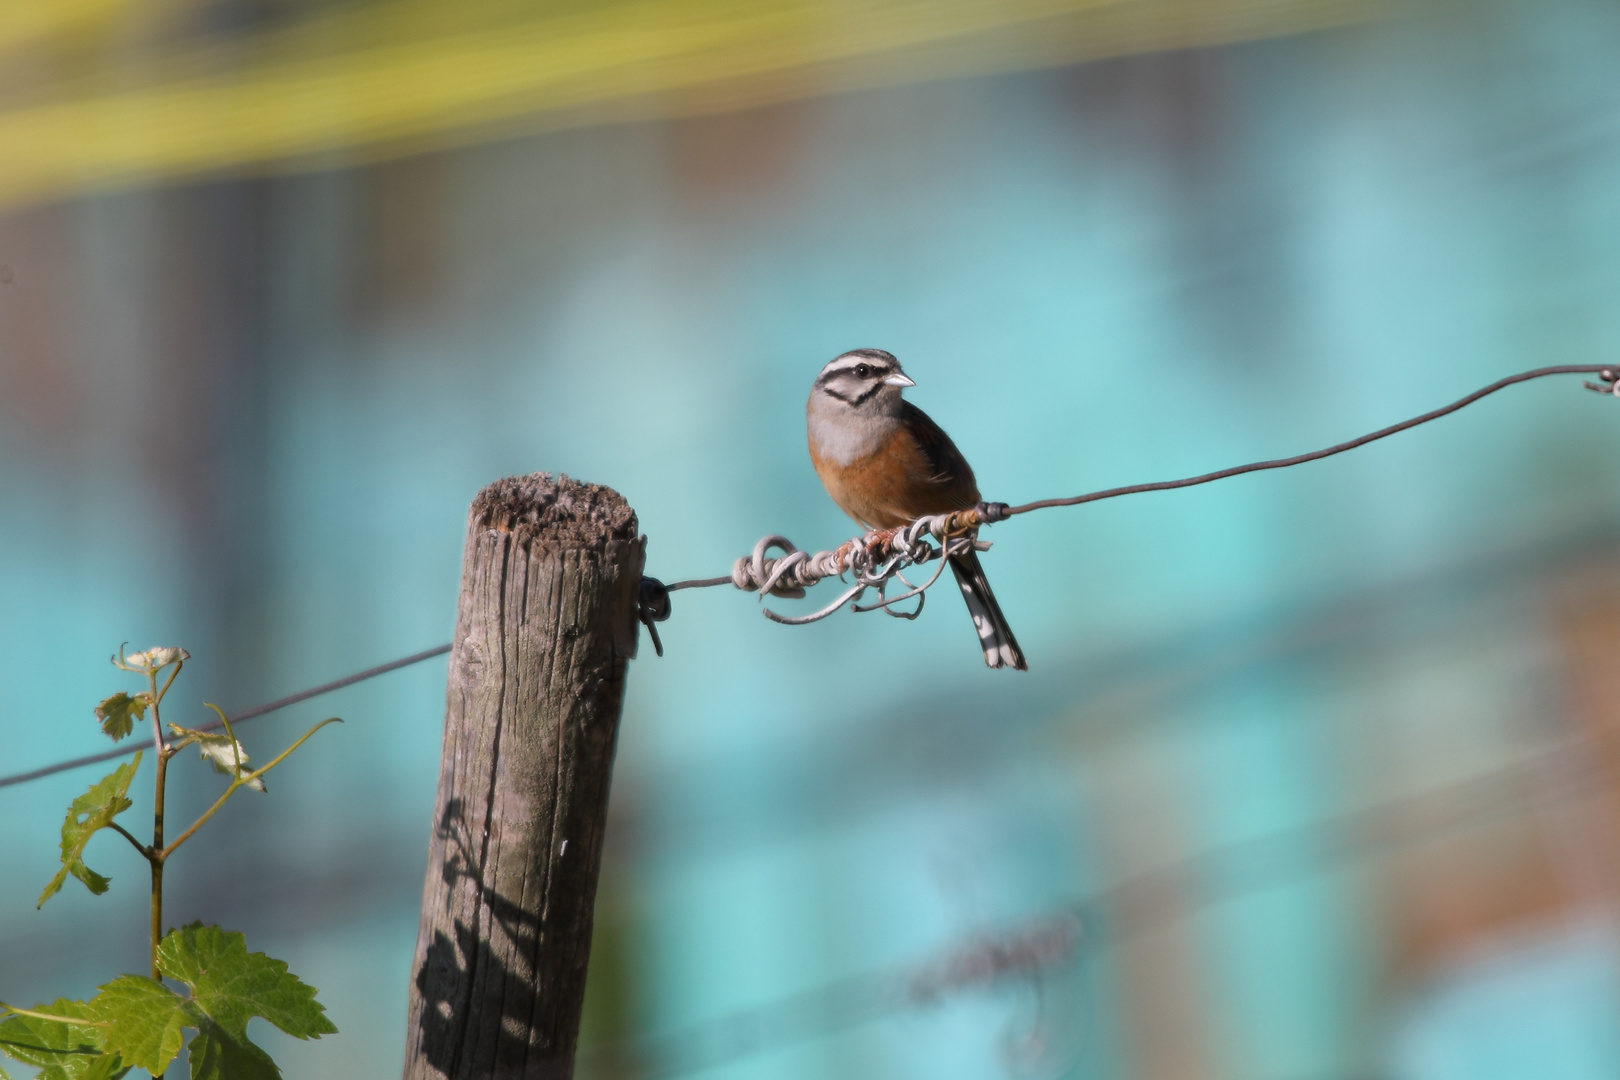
(53,1017)
(127,835)
(240,779)
(195,825)
(156,852)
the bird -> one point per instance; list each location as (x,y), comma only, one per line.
(885,464)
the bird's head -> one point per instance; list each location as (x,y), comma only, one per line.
(861,380)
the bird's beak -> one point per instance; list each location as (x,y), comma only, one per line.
(898,379)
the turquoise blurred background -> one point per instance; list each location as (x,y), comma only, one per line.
(1322,760)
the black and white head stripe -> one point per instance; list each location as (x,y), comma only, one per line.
(860,375)
(875,362)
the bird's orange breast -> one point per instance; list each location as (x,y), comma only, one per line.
(892,486)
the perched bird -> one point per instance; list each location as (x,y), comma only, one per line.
(885,464)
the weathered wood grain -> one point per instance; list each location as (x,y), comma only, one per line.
(545,628)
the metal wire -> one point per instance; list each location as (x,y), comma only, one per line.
(699,583)
(1605,372)
(875,560)
(246,714)
(878,557)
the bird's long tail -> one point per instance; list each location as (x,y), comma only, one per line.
(995,636)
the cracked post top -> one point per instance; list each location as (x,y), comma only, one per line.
(556,513)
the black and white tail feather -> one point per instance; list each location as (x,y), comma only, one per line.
(995,636)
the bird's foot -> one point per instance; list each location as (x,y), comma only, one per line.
(879,540)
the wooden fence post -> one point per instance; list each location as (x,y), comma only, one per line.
(545,627)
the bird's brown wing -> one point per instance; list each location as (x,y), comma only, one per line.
(946,481)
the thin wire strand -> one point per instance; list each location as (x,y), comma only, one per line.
(1606,370)
(699,583)
(803,568)
(885,553)
(247,714)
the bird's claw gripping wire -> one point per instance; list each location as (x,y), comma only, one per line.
(652,607)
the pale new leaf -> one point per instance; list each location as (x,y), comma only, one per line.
(221,751)
(119,713)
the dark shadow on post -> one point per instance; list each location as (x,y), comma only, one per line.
(449,964)
(545,628)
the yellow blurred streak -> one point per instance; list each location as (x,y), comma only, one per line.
(423,90)
(30,23)
(24,21)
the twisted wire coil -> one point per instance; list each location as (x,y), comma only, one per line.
(874,560)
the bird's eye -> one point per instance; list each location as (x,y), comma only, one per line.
(862,371)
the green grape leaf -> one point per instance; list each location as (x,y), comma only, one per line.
(90,812)
(218,749)
(215,1055)
(232,985)
(144,1019)
(62,1049)
(119,713)
(105,1067)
